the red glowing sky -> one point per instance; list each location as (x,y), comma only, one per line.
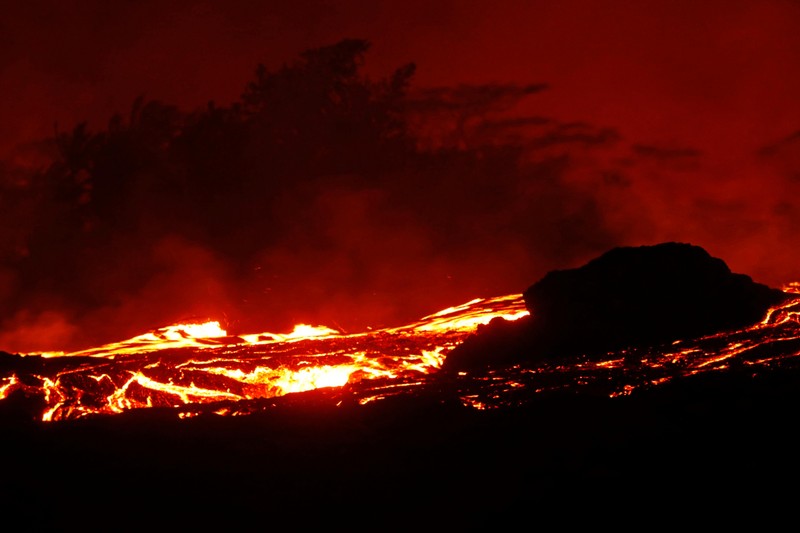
(720,76)
(718,80)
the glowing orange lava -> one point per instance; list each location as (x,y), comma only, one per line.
(191,364)
(196,368)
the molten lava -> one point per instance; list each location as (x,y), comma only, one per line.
(187,365)
(198,368)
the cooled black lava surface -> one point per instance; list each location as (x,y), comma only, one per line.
(715,448)
(627,297)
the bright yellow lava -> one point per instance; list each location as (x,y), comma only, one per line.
(201,363)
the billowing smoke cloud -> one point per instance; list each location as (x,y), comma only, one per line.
(321,196)
(391,200)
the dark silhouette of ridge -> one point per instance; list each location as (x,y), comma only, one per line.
(627,297)
(722,443)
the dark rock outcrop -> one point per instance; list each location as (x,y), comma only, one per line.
(627,297)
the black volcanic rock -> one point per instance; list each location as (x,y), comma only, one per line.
(627,297)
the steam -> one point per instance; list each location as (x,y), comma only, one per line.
(309,221)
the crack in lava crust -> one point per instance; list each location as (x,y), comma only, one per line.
(189,365)
(198,369)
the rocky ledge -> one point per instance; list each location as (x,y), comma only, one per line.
(628,297)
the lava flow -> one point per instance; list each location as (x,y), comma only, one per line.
(188,365)
(199,368)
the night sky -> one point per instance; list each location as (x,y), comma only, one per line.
(650,121)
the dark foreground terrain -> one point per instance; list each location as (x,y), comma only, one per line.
(694,433)
(717,448)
